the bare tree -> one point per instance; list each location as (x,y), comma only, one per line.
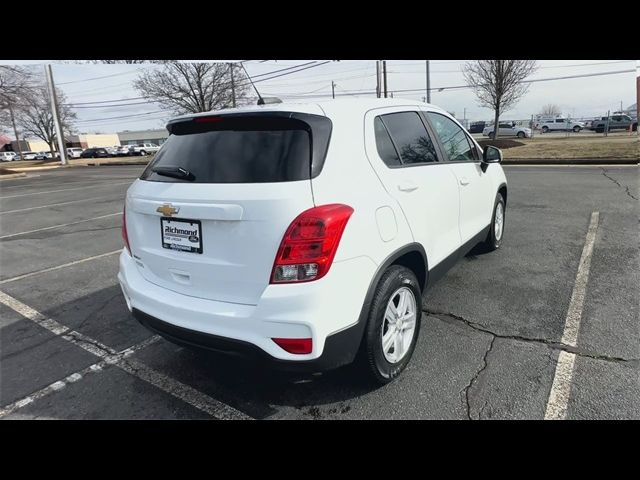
(551,109)
(36,118)
(498,84)
(194,87)
(14,82)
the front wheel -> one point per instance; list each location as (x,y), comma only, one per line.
(496,229)
(521,135)
(576,129)
(393,325)
(545,129)
(143,153)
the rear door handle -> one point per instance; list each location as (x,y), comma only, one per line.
(407,187)
(464,181)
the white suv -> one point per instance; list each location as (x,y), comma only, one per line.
(305,234)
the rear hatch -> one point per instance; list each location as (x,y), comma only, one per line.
(208,214)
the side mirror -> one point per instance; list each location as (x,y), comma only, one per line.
(491,154)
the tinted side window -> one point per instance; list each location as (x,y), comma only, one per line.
(410,138)
(386,150)
(454,140)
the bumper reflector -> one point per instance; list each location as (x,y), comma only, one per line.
(295,345)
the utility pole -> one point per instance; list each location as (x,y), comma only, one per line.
(233,87)
(333,89)
(15,130)
(378,89)
(620,106)
(428,83)
(384,73)
(56,115)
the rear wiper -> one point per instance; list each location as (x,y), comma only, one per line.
(175,172)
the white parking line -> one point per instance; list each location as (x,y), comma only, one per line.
(60,225)
(68,189)
(54,205)
(74,377)
(560,389)
(167,384)
(50,269)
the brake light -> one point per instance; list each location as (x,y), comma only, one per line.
(207,119)
(295,345)
(310,244)
(125,236)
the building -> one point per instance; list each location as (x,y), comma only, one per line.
(30,145)
(133,137)
(88,140)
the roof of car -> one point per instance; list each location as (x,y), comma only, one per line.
(325,107)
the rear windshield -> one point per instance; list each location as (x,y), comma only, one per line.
(242,149)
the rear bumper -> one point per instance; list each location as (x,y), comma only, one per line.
(327,311)
(339,348)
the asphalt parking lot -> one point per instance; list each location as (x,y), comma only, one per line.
(492,343)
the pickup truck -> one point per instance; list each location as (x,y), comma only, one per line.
(143,149)
(616,122)
(560,124)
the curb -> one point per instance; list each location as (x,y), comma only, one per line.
(115,164)
(9,176)
(569,161)
(35,169)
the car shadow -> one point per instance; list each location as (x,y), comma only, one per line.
(248,386)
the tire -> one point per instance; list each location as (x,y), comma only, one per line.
(142,153)
(634,127)
(380,367)
(599,130)
(490,135)
(545,129)
(520,135)
(576,129)
(494,240)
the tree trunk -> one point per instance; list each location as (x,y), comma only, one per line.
(53,154)
(496,124)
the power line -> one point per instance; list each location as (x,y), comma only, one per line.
(123,116)
(98,78)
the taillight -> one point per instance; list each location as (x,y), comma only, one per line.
(125,236)
(310,243)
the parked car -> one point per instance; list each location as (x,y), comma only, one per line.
(560,124)
(477,127)
(29,155)
(616,122)
(98,152)
(143,148)
(74,152)
(122,151)
(8,156)
(507,129)
(112,151)
(276,255)
(43,155)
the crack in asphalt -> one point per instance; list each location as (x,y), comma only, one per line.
(465,391)
(97,310)
(542,341)
(604,172)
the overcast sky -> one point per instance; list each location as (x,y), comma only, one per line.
(577,97)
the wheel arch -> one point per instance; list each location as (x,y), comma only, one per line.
(502,190)
(412,256)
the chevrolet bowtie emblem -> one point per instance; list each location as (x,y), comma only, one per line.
(167,209)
